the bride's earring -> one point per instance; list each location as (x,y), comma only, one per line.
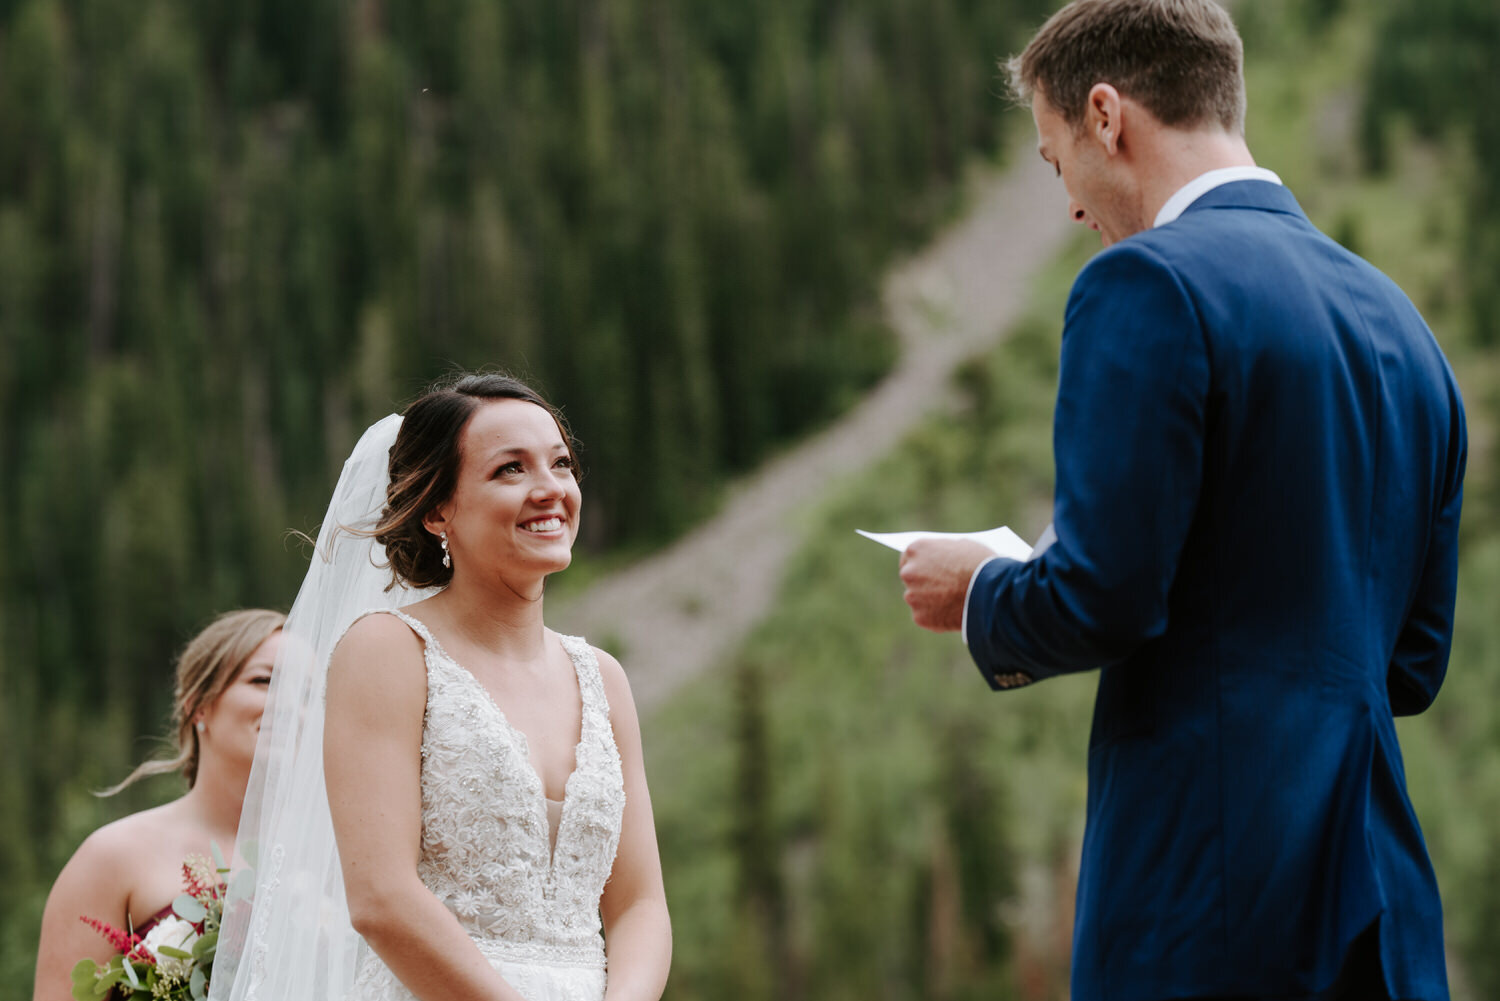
(447,561)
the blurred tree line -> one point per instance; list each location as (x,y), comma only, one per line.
(231,234)
(1435,77)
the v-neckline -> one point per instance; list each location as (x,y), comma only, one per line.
(540,799)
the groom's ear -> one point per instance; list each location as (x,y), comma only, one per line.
(1103,117)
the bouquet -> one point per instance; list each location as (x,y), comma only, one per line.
(176,957)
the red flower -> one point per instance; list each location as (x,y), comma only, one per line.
(127,944)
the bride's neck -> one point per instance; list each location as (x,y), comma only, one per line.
(497,618)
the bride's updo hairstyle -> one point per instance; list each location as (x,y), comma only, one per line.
(424,469)
(208,665)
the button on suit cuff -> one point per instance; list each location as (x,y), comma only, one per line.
(979,649)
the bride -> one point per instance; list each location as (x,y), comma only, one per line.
(486,802)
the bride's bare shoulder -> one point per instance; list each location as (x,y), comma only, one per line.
(383,626)
(382,647)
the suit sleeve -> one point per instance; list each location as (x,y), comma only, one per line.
(1420,660)
(1128,444)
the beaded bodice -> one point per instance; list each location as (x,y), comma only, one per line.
(486,846)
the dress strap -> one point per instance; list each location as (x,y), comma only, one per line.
(417,626)
(412,621)
(590,683)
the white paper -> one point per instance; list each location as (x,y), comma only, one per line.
(1002,541)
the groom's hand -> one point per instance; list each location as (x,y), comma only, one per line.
(936,573)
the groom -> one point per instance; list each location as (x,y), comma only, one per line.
(1260,451)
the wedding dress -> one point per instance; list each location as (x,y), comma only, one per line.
(532,909)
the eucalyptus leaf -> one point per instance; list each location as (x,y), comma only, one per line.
(173,952)
(128,969)
(219,862)
(198,984)
(205,947)
(85,977)
(188,909)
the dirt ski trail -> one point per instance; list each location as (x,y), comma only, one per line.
(676,613)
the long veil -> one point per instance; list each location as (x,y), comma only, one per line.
(286,934)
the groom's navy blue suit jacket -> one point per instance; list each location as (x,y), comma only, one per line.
(1260,450)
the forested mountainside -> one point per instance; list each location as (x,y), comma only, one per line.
(231,234)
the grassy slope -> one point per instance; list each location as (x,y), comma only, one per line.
(870,723)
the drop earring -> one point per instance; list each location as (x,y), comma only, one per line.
(447,561)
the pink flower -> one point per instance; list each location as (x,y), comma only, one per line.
(200,879)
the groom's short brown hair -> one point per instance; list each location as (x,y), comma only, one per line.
(1181,59)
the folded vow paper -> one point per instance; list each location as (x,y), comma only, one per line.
(1001,540)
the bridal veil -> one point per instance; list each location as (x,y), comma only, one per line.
(286,934)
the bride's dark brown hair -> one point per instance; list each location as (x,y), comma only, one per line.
(424,468)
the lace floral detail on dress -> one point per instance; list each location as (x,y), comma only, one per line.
(486,849)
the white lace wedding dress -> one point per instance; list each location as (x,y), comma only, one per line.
(532,909)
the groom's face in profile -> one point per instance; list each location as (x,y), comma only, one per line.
(1096,198)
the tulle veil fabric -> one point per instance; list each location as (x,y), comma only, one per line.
(286,934)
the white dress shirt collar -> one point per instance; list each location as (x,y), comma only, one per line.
(1203,184)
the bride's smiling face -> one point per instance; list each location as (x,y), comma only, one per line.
(514,508)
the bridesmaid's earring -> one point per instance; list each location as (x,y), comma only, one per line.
(447,561)
(200,726)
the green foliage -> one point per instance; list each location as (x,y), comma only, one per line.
(1452,757)
(1436,76)
(1433,83)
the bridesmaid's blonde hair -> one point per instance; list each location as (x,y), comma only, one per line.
(208,665)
